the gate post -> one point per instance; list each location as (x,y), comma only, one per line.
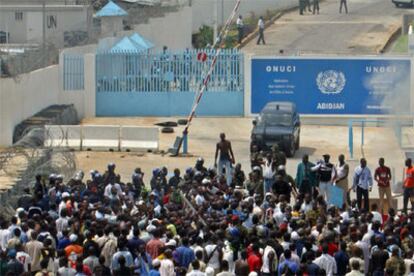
(351,139)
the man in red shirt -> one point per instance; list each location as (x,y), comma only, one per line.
(154,245)
(255,259)
(408,184)
(383,177)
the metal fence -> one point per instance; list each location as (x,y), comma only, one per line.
(168,71)
(73,72)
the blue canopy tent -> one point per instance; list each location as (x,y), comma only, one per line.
(137,38)
(111,9)
(126,45)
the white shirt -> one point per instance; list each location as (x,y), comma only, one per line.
(195,273)
(266,265)
(199,199)
(24,259)
(326,262)
(260,24)
(365,249)
(214,260)
(67,271)
(107,191)
(376,216)
(239,22)
(167,268)
(340,170)
(228,256)
(408,263)
(268,172)
(4,238)
(62,224)
(306,207)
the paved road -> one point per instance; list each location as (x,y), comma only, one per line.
(364,30)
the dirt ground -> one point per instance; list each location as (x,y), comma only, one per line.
(204,133)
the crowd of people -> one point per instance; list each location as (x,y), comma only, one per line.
(211,221)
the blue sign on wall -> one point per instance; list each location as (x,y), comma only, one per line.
(333,86)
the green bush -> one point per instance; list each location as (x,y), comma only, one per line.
(203,37)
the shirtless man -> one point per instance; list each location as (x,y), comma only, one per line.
(226,158)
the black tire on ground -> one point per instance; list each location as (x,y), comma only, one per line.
(182,122)
(167,130)
(297,144)
(290,152)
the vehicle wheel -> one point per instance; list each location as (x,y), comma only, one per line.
(297,144)
(167,130)
(290,152)
(397,5)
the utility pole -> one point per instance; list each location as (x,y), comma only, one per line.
(44,33)
(215,18)
(222,12)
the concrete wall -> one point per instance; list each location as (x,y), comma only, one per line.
(110,26)
(23,97)
(203,10)
(174,30)
(83,100)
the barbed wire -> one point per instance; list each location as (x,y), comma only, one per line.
(29,157)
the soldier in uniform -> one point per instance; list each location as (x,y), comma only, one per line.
(281,170)
(278,156)
(255,183)
(395,262)
(256,158)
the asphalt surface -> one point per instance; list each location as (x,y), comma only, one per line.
(364,30)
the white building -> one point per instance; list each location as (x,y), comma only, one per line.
(24,23)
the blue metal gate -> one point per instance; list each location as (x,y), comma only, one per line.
(165,84)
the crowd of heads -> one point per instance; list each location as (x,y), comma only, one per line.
(196,223)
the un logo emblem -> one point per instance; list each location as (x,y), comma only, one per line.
(331,82)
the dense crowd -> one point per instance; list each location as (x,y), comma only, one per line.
(215,221)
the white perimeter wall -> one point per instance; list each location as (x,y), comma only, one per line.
(22,98)
(203,10)
(173,30)
(32,92)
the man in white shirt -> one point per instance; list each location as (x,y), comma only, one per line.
(167,265)
(261,26)
(270,262)
(326,261)
(4,235)
(196,269)
(327,174)
(240,28)
(225,269)
(214,253)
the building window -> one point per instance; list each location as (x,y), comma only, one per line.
(18,16)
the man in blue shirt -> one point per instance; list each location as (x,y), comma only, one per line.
(342,259)
(288,264)
(362,184)
(184,255)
